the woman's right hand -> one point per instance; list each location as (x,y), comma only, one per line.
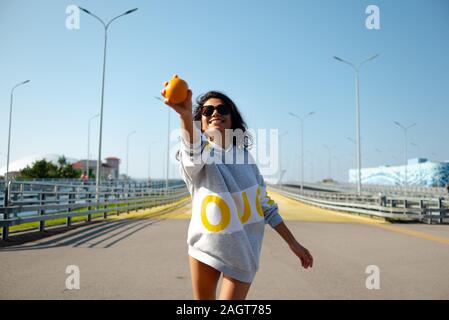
(184,108)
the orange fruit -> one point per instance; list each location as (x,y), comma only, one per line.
(175,90)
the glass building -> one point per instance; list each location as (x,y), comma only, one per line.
(420,172)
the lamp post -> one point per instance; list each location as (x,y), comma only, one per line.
(380,154)
(405,129)
(167,164)
(2,155)
(417,146)
(329,149)
(149,160)
(105,25)
(88,144)
(434,155)
(9,137)
(311,165)
(355,144)
(357,112)
(301,122)
(127,153)
(419,164)
(281,173)
(337,166)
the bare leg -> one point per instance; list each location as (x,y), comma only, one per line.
(204,280)
(232,289)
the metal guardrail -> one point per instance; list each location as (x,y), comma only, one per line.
(389,208)
(416,191)
(42,201)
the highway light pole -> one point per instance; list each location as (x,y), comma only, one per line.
(311,165)
(105,26)
(9,139)
(301,122)
(127,153)
(88,144)
(149,160)
(405,129)
(167,162)
(357,112)
(330,160)
(380,154)
(419,164)
(281,173)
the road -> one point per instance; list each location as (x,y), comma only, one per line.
(144,256)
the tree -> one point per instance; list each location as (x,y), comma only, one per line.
(43,169)
(66,170)
(40,169)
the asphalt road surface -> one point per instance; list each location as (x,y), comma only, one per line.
(144,256)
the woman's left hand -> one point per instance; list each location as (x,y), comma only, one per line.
(303,254)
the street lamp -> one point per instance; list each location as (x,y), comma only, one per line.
(329,149)
(168,145)
(311,165)
(301,122)
(357,106)
(337,166)
(2,155)
(88,144)
(355,144)
(127,152)
(405,128)
(419,164)
(149,159)
(352,140)
(281,173)
(105,25)
(380,154)
(416,145)
(9,136)
(434,155)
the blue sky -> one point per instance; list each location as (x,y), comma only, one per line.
(271,57)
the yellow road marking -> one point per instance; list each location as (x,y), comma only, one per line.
(293,210)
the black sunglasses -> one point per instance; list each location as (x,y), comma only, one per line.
(222,109)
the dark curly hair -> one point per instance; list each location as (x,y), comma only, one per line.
(237,121)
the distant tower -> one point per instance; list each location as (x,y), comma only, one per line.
(113,163)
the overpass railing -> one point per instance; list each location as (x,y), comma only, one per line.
(408,191)
(42,201)
(390,208)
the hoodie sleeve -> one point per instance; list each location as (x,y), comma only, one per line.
(194,155)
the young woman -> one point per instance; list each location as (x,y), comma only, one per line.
(230,206)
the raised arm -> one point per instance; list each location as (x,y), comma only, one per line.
(184,109)
(192,145)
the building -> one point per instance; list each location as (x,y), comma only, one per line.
(110,169)
(114,165)
(420,172)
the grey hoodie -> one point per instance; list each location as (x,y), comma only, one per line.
(230,206)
